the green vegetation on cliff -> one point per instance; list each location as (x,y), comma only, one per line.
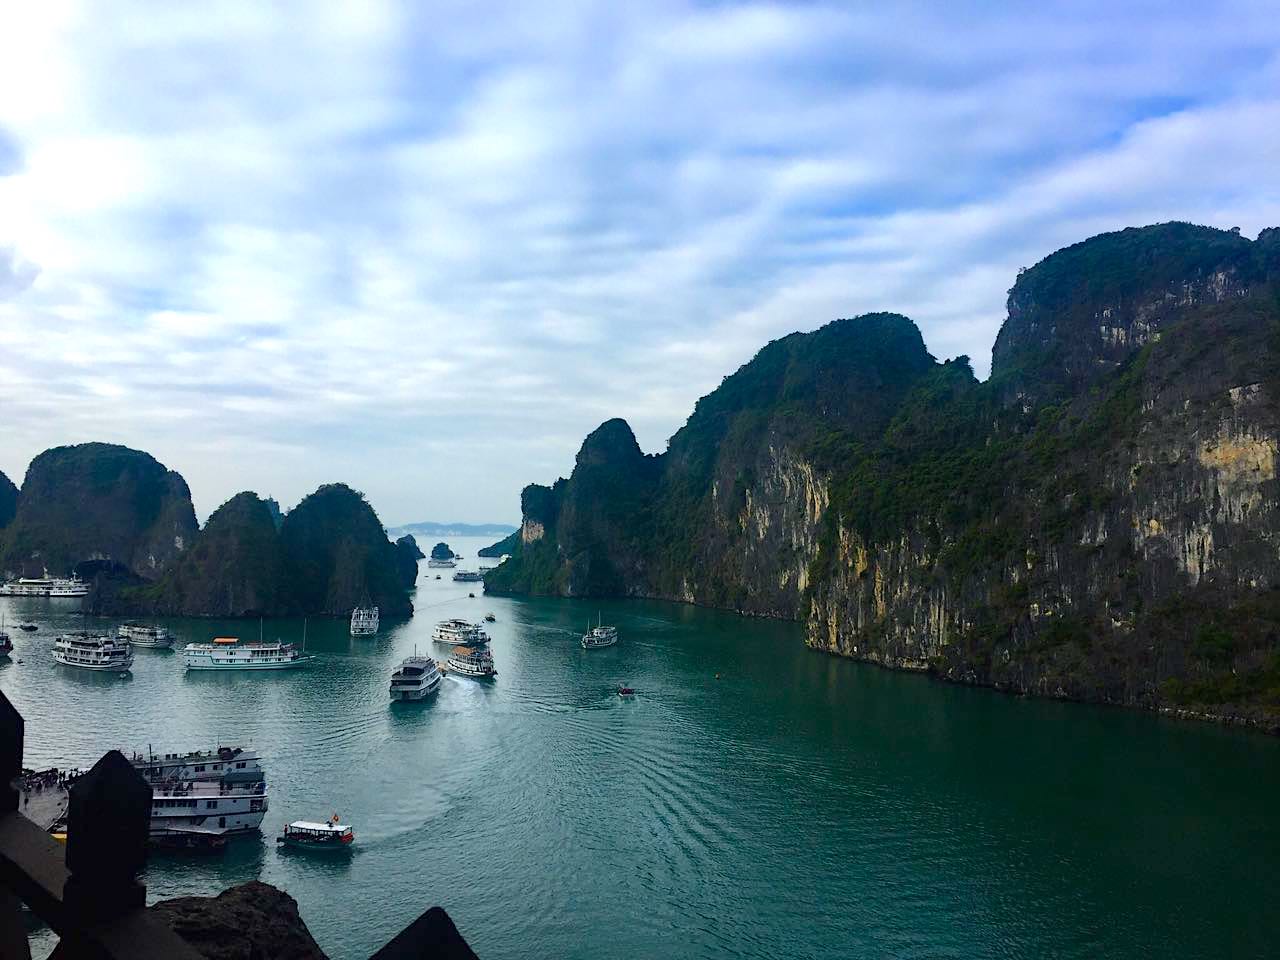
(503,547)
(1064,528)
(8,500)
(98,501)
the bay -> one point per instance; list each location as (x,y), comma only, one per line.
(756,799)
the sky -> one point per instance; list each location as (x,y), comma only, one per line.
(424,249)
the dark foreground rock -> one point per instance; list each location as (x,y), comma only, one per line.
(254,921)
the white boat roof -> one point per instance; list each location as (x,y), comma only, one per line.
(312,825)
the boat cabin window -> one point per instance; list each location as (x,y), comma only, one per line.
(239,766)
(211,804)
(200,768)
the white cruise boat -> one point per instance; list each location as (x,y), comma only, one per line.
(228,653)
(45,586)
(433,562)
(468,576)
(471,662)
(459,633)
(364,621)
(145,635)
(93,651)
(599,636)
(415,679)
(229,764)
(205,811)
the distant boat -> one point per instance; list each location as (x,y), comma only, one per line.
(468,576)
(415,679)
(433,562)
(45,586)
(599,636)
(328,837)
(145,635)
(29,627)
(489,618)
(364,621)
(626,691)
(6,645)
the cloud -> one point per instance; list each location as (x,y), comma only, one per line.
(425,253)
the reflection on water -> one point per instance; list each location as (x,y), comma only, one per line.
(755,799)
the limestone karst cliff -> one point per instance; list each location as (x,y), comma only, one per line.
(1096,521)
(97,501)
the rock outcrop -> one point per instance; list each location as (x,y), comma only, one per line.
(253,921)
(441,551)
(1097,521)
(98,501)
(502,548)
(8,501)
(407,556)
(330,554)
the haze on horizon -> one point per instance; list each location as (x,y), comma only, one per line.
(425,254)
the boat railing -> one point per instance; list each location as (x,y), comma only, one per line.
(87,890)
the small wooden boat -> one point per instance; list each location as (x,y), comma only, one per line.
(626,691)
(490,618)
(327,837)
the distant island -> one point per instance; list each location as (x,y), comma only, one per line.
(125,522)
(442,551)
(1097,521)
(427,528)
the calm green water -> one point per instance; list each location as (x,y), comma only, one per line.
(798,806)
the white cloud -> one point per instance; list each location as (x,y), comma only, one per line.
(427,252)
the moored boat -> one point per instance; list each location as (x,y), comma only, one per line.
(415,679)
(202,797)
(45,586)
(364,621)
(228,653)
(472,662)
(145,635)
(327,837)
(6,645)
(92,651)
(459,633)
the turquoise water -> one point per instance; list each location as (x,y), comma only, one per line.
(798,806)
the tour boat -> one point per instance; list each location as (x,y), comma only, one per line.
(201,798)
(92,651)
(330,836)
(228,764)
(470,662)
(433,562)
(228,653)
(364,621)
(145,635)
(196,810)
(468,576)
(459,633)
(599,636)
(415,679)
(45,586)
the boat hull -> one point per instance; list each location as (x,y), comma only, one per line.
(409,695)
(249,667)
(328,847)
(122,667)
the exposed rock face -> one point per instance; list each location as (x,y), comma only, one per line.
(98,501)
(8,500)
(1098,520)
(253,921)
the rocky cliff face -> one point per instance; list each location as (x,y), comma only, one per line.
(407,556)
(98,501)
(235,568)
(1097,521)
(8,501)
(329,555)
